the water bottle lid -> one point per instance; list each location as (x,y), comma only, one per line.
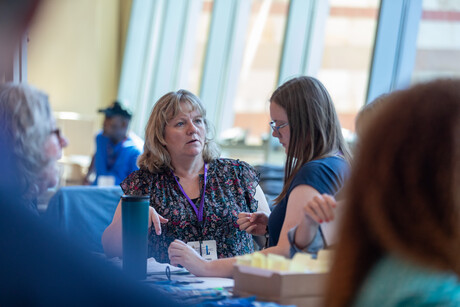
(135,198)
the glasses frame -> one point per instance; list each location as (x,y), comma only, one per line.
(277,128)
(58,133)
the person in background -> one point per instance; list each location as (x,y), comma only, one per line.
(33,151)
(40,266)
(116,150)
(399,241)
(324,208)
(195,196)
(305,122)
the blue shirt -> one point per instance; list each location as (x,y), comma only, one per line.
(395,281)
(117,160)
(325,175)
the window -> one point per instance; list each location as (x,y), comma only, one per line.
(438,42)
(200,45)
(349,40)
(257,80)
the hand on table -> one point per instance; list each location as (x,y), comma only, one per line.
(186,256)
(253,223)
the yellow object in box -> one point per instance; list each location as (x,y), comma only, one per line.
(282,287)
(302,263)
(259,260)
(298,281)
(277,262)
(244,260)
(299,263)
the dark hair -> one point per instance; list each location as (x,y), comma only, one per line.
(403,194)
(314,126)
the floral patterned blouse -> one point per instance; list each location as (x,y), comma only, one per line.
(230,189)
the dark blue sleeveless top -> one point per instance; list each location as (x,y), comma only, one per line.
(326,175)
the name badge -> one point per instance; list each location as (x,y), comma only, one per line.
(196,246)
(105,181)
(206,249)
(209,250)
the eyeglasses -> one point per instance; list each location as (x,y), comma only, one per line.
(57,131)
(277,128)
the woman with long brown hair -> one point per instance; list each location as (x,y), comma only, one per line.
(400,238)
(305,122)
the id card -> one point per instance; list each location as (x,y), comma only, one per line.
(206,249)
(105,181)
(196,246)
(209,250)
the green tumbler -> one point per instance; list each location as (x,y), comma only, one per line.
(135,221)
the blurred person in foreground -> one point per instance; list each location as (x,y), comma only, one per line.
(117,150)
(399,241)
(38,265)
(32,150)
(305,122)
(195,196)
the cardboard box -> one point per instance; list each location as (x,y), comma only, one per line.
(301,289)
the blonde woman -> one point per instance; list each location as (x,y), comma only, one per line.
(195,196)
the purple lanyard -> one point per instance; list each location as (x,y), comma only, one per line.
(199,213)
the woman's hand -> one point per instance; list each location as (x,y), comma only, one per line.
(253,223)
(320,208)
(186,256)
(156,220)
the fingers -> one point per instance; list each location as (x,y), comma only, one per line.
(330,200)
(242,215)
(320,209)
(243,218)
(310,213)
(253,223)
(162,219)
(181,253)
(251,228)
(175,252)
(175,261)
(244,222)
(328,207)
(245,226)
(177,244)
(156,220)
(260,217)
(256,216)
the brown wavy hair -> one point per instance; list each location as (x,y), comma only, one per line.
(403,196)
(156,157)
(313,123)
